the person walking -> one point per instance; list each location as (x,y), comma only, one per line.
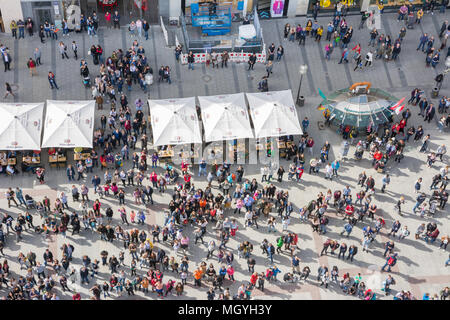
(75,50)
(385,181)
(269,67)
(37,56)
(52,81)
(31,64)
(251,61)
(190,60)
(63,50)
(8,90)
(369,59)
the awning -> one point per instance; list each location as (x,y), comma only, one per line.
(69,124)
(274,114)
(174,121)
(225,117)
(21,126)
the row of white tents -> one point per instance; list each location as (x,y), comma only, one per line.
(70,124)
(224,117)
(67,124)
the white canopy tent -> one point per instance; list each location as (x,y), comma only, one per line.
(21,126)
(174,121)
(225,117)
(273,114)
(69,124)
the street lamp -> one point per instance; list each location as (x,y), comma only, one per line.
(303,69)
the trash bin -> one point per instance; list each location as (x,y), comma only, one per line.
(435,92)
(301,101)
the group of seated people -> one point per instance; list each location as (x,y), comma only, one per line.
(5,167)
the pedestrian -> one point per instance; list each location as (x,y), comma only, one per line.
(75,50)
(31,64)
(51,80)
(37,56)
(251,61)
(6,60)
(8,90)
(269,67)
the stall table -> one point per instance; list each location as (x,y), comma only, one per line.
(31,160)
(168,153)
(77,156)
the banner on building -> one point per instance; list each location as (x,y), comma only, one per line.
(276,8)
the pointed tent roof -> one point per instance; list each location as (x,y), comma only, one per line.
(174,121)
(21,126)
(274,114)
(225,117)
(69,124)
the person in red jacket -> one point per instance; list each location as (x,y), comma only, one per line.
(108,19)
(76,296)
(349,210)
(253,279)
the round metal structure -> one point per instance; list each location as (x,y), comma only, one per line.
(359,108)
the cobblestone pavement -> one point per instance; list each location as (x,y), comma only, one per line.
(420,267)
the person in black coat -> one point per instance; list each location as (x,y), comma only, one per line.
(251,61)
(6,60)
(429,112)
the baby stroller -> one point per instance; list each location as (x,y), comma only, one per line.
(359,152)
(433,207)
(87,82)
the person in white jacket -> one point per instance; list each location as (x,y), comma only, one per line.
(369,59)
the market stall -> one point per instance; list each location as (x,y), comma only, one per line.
(69,124)
(174,122)
(21,125)
(225,117)
(274,114)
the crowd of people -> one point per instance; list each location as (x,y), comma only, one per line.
(155,259)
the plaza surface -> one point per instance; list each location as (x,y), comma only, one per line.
(420,267)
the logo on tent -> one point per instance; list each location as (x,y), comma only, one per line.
(172,101)
(192,117)
(35,123)
(14,143)
(88,121)
(67,141)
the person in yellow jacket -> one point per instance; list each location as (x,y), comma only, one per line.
(13,27)
(319,33)
(308,27)
(419,15)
